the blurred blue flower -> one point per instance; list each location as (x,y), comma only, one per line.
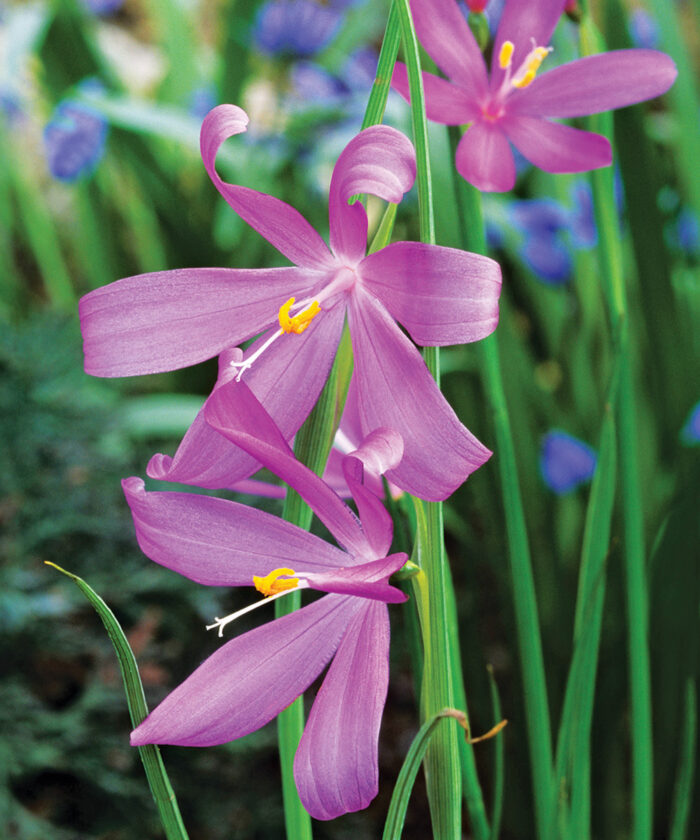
(74,140)
(202,100)
(690,434)
(542,222)
(584,234)
(102,7)
(565,462)
(10,105)
(359,70)
(295,27)
(311,85)
(643,29)
(688,231)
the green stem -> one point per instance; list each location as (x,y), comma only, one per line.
(637,602)
(525,601)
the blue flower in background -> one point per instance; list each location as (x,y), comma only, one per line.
(542,222)
(311,85)
(688,232)
(102,7)
(690,434)
(359,70)
(643,29)
(10,105)
(584,234)
(202,100)
(74,140)
(295,27)
(565,461)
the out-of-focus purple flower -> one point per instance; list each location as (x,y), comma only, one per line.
(170,319)
(252,678)
(74,140)
(295,27)
(643,29)
(312,86)
(542,222)
(102,7)
(202,100)
(690,434)
(359,70)
(565,461)
(582,227)
(688,231)
(10,105)
(510,105)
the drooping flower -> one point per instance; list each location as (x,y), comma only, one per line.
(170,319)
(74,140)
(514,104)
(565,461)
(249,680)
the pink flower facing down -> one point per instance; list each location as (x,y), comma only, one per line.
(252,678)
(169,319)
(514,103)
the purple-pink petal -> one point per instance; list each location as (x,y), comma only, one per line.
(282,225)
(447,38)
(336,766)
(557,148)
(366,580)
(445,102)
(234,411)
(441,295)
(376,521)
(171,319)
(288,379)
(596,83)
(217,542)
(395,390)
(484,158)
(249,680)
(524,23)
(380,161)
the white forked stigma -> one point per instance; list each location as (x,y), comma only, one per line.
(273,586)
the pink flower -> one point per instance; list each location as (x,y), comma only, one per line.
(170,319)
(250,679)
(513,104)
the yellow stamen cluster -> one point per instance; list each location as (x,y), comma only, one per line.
(531,66)
(297,323)
(271,585)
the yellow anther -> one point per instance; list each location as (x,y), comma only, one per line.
(526,79)
(299,322)
(271,585)
(506,54)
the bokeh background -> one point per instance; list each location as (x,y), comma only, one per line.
(100,178)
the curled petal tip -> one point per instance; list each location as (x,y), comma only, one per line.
(133,485)
(159,466)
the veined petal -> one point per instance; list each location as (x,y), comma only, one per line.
(381,161)
(282,225)
(249,680)
(596,83)
(445,102)
(288,380)
(234,411)
(395,389)
(336,767)
(171,319)
(523,24)
(441,295)
(366,580)
(217,542)
(376,521)
(558,148)
(484,158)
(447,38)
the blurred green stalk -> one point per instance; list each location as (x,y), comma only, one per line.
(610,256)
(525,601)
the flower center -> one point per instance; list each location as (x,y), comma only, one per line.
(271,587)
(288,324)
(528,68)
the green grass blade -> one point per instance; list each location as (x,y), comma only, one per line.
(158,780)
(525,602)
(499,763)
(683,794)
(374,113)
(409,770)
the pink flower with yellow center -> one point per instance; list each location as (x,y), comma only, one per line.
(166,320)
(513,104)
